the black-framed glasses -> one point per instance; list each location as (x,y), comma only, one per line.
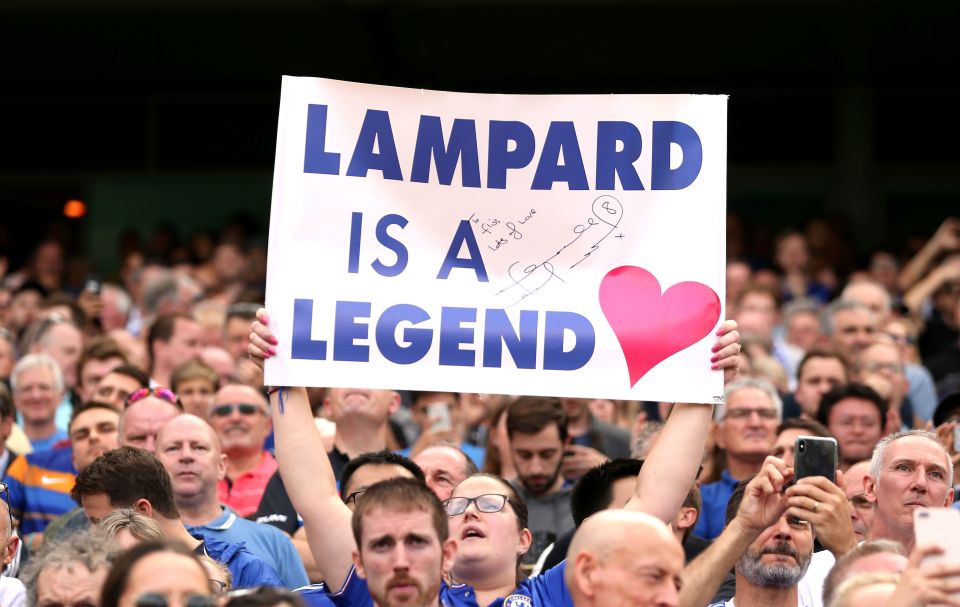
(354,496)
(155,599)
(487,503)
(243,408)
(5,492)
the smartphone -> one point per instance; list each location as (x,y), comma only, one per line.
(939,527)
(815,456)
(439,416)
(93,286)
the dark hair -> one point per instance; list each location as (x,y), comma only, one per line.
(32,285)
(594,490)
(125,475)
(759,289)
(531,414)
(77,315)
(89,406)
(264,596)
(100,348)
(116,583)
(135,373)
(735,498)
(162,330)
(242,309)
(6,402)
(820,353)
(520,510)
(377,458)
(815,428)
(851,390)
(404,495)
(693,500)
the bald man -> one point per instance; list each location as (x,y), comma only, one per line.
(861,509)
(190,451)
(621,557)
(143,418)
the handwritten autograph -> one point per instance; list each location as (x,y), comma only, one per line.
(512,230)
(606,211)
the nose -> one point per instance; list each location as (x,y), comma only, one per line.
(401,560)
(150,443)
(669,597)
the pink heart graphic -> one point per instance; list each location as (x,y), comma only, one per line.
(651,327)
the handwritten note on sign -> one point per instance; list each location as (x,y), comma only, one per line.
(555,245)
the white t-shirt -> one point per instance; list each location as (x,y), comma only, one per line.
(811,586)
(12,592)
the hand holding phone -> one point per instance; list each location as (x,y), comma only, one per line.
(815,456)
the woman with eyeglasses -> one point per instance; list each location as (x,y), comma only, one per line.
(157,574)
(486,517)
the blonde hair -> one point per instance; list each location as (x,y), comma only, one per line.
(140,526)
(846,590)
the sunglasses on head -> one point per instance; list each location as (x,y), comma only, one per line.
(160,392)
(243,408)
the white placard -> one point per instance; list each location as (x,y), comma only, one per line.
(567,245)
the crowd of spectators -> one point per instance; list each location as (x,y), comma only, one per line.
(145,463)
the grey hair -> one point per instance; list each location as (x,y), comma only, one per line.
(880,451)
(887,303)
(800,306)
(843,305)
(124,303)
(644,440)
(33,361)
(140,526)
(86,548)
(749,382)
(846,589)
(840,571)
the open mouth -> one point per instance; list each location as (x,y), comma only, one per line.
(472,533)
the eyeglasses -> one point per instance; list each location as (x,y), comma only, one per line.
(217,586)
(155,599)
(160,392)
(354,496)
(243,408)
(902,340)
(488,503)
(875,367)
(5,492)
(741,413)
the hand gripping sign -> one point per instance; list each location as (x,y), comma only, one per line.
(554,245)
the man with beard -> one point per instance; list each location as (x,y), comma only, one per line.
(769,539)
(241,417)
(537,428)
(403,545)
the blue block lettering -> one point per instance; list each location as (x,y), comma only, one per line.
(612,163)
(661,176)
(347,330)
(391,243)
(316,159)
(500,158)
(462,146)
(561,137)
(464,235)
(522,344)
(302,344)
(375,132)
(555,325)
(417,340)
(453,334)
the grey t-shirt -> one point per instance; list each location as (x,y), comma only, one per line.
(549,516)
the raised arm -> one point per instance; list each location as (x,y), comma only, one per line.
(306,471)
(946,238)
(671,467)
(761,506)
